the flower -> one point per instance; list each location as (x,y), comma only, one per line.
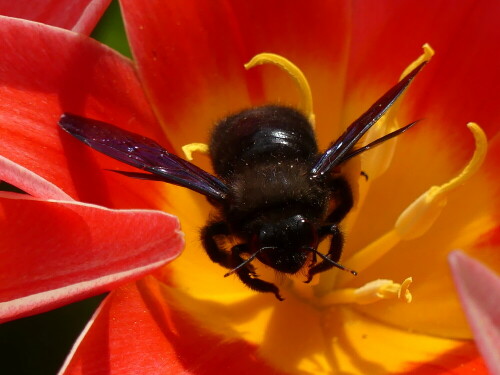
(189,57)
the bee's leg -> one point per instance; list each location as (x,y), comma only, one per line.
(238,261)
(342,196)
(247,275)
(336,244)
(216,254)
(257,284)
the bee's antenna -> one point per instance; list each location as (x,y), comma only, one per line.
(246,261)
(325,257)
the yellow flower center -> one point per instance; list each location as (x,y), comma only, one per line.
(327,288)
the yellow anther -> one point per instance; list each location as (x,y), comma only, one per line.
(293,71)
(404,292)
(371,292)
(423,212)
(474,164)
(194,147)
(376,162)
(426,56)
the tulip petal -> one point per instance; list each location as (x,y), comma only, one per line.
(47,71)
(461,82)
(364,346)
(190,56)
(479,288)
(56,252)
(29,182)
(80,16)
(470,216)
(135,331)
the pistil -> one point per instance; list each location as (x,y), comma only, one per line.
(306,103)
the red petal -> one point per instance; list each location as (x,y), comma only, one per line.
(80,16)
(137,332)
(46,71)
(479,288)
(461,82)
(190,55)
(29,182)
(54,253)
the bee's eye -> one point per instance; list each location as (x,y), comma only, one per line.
(305,231)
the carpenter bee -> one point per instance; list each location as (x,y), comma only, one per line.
(275,194)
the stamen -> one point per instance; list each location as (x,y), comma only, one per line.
(426,56)
(371,292)
(294,72)
(420,215)
(424,211)
(194,147)
(378,161)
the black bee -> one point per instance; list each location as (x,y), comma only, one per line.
(275,194)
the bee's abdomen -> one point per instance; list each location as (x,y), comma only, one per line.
(261,134)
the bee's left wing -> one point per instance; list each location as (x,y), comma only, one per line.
(342,148)
(143,153)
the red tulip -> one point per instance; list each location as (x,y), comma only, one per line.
(187,74)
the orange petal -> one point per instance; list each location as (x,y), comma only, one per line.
(458,86)
(191,54)
(364,346)
(469,219)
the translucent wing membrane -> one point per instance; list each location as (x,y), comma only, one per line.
(341,149)
(142,153)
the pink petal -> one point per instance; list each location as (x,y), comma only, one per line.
(54,252)
(138,331)
(80,16)
(46,71)
(479,290)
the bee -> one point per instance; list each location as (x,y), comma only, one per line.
(276,196)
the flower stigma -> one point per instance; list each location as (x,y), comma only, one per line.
(293,71)
(306,105)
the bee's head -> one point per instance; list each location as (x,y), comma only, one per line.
(284,245)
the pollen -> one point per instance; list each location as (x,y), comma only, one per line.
(306,105)
(371,292)
(194,147)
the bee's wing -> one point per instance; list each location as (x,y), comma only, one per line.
(142,153)
(342,148)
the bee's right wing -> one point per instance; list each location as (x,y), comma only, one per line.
(143,153)
(343,148)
